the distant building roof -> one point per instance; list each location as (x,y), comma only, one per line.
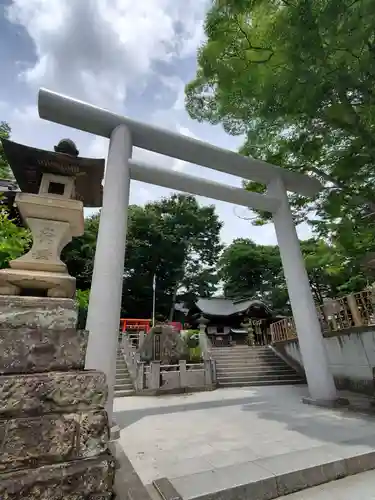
(218,306)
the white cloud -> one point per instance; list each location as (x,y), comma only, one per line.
(102,50)
(186,132)
(96,49)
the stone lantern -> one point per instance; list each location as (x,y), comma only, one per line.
(51,201)
(248,325)
(202,323)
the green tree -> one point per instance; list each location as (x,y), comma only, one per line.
(175,239)
(79,254)
(14,240)
(250,270)
(5,171)
(179,241)
(296,78)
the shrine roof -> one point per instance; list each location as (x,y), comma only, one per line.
(220,306)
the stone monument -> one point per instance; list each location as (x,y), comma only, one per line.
(163,343)
(53,425)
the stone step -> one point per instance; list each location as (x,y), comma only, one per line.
(244,355)
(247,358)
(255,350)
(230,383)
(255,371)
(246,364)
(123,382)
(285,474)
(124,392)
(256,377)
(123,376)
(124,387)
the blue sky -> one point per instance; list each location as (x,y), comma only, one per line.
(132,57)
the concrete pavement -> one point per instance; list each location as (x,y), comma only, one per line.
(206,442)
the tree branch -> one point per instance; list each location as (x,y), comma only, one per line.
(251,46)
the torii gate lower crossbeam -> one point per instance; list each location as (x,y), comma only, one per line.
(106,290)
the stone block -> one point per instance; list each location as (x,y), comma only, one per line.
(38,393)
(51,284)
(38,312)
(30,350)
(89,479)
(53,438)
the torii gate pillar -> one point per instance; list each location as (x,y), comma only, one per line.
(319,377)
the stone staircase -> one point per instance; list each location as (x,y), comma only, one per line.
(252,366)
(123,384)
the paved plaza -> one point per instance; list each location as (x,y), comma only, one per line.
(207,441)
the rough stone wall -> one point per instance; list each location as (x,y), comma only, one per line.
(54,430)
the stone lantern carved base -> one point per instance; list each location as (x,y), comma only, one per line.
(53,423)
(49,238)
(13,281)
(53,221)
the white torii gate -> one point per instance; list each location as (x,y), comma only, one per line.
(106,289)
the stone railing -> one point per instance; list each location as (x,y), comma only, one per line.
(354,310)
(155,377)
(206,345)
(180,377)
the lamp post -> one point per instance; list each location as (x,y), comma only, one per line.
(153,299)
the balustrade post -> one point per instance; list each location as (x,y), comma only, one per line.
(139,380)
(183,373)
(208,372)
(155,375)
(356,315)
(141,338)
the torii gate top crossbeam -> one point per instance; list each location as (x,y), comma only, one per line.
(201,187)
(83,116)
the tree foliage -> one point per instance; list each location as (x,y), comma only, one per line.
(174,238)
(14,240)
(251,270)
(5,171)
(296,78)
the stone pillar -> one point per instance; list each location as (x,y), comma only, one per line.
(142,336)
(154,375)
(183,370)
(53,424)
(139,376)
(103,317)
(208,376)
(319,377)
